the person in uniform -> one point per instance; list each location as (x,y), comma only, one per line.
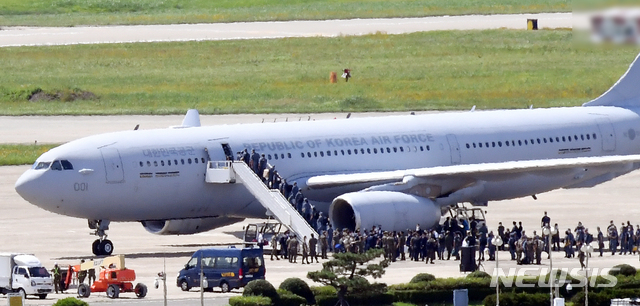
(324,245)
(402,240)
(305,250)
(612,234)
(91,274)
(56,277)
(313,243)
(82,274)
(600,241)
(262,165)
(255,160)
(336,240)
(274,247)
(292,244)
(546,221)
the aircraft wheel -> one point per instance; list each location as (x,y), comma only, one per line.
(106,247)
(113,291)
(84,290)
(141,290)
(95,247)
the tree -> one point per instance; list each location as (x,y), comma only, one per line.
(347,271)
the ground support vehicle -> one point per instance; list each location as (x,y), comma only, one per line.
(113,278)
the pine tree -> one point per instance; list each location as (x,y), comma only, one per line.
(347,271)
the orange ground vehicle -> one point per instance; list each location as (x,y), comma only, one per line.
(112,279)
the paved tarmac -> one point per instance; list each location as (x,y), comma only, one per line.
(56,238)
(30,36)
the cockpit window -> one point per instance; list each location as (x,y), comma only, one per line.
(43,165)
(56,165)
(66,165)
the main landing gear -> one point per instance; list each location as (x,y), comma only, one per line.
(101,246)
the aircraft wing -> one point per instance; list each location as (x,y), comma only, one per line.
(469,173)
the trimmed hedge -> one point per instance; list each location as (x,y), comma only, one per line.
(603,298)
(479,274)
(70,301)
(298,287)
(323,290)
(422,277)
(518,299)
(383,299)
(249,301)
(261,287)
(290,299)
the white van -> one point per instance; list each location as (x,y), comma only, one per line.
(24,274)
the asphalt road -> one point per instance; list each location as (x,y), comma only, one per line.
(26,36)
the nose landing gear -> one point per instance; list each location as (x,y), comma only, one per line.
(101,246)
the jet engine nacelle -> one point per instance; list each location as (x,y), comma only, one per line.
(187,226)
(394,211)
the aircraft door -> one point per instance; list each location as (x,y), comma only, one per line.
(455,149)
(607,134)
(228,153)
(112,165)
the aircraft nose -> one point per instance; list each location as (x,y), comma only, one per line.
(27,187)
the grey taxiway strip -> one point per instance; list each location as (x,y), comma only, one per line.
(31,36)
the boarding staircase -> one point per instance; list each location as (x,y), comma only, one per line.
(228,172)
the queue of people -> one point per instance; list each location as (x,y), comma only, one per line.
(444,239)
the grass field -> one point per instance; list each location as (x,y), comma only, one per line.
(18,154)
(102,12)
(420,71)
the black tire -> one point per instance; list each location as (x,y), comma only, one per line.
(141,290)
(23,294)
(84,290)
(95,248)
(184,285)
(113,291)
(42,296)
(106,247)
(224,286)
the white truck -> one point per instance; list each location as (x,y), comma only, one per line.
(24,274)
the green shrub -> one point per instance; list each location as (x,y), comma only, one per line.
(290,299)
(70,301)
(323,290)
(422,277)
(518,299)
(261,287)
(623,269)
(479,274)
(249,301)
(298,287)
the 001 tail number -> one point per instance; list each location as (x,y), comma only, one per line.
(80,186)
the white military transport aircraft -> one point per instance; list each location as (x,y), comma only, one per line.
(391,171)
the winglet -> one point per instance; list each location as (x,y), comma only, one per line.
(625,92)
(192,119)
